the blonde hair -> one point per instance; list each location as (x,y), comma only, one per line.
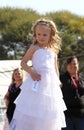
(55,40)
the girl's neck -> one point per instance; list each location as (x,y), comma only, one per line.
(18,83)
(43,46)
(46,47)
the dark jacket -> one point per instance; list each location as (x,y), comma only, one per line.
(74,98)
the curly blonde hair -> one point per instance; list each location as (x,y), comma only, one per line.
(55,40)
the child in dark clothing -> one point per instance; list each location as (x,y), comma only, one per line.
(13,92)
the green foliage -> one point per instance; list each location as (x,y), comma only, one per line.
(15,26)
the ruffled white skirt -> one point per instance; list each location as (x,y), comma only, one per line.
(39,106)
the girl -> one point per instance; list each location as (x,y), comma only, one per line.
(12,93)
(40,105)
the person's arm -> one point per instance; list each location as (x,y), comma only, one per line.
(56,65)
(57,68)
(28,57)
(6,98)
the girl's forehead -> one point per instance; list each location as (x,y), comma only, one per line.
(17,71)
(39,27)
(42,26)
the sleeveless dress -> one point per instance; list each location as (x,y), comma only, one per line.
(40,104)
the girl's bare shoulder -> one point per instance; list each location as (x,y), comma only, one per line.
(33,48)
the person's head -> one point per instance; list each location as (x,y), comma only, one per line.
(72,65)
(17,75)
(46,35)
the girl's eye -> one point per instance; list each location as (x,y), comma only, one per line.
(45,35)
(42,34)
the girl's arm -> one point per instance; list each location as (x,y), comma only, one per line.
(28,57)
(57,65)
(6,98)
(57,68)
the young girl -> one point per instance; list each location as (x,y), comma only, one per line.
(12,93)
(40,105)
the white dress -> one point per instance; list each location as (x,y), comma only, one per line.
(40,104)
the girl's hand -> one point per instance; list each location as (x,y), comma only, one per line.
(35,76)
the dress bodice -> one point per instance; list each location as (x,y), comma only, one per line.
(43,59)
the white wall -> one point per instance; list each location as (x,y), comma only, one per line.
(6,69)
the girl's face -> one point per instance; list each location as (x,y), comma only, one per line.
(18,75)
(42,35)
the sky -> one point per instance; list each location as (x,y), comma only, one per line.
(46,6)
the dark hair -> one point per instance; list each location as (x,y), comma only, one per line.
(69,60)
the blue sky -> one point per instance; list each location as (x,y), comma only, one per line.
(43,6)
